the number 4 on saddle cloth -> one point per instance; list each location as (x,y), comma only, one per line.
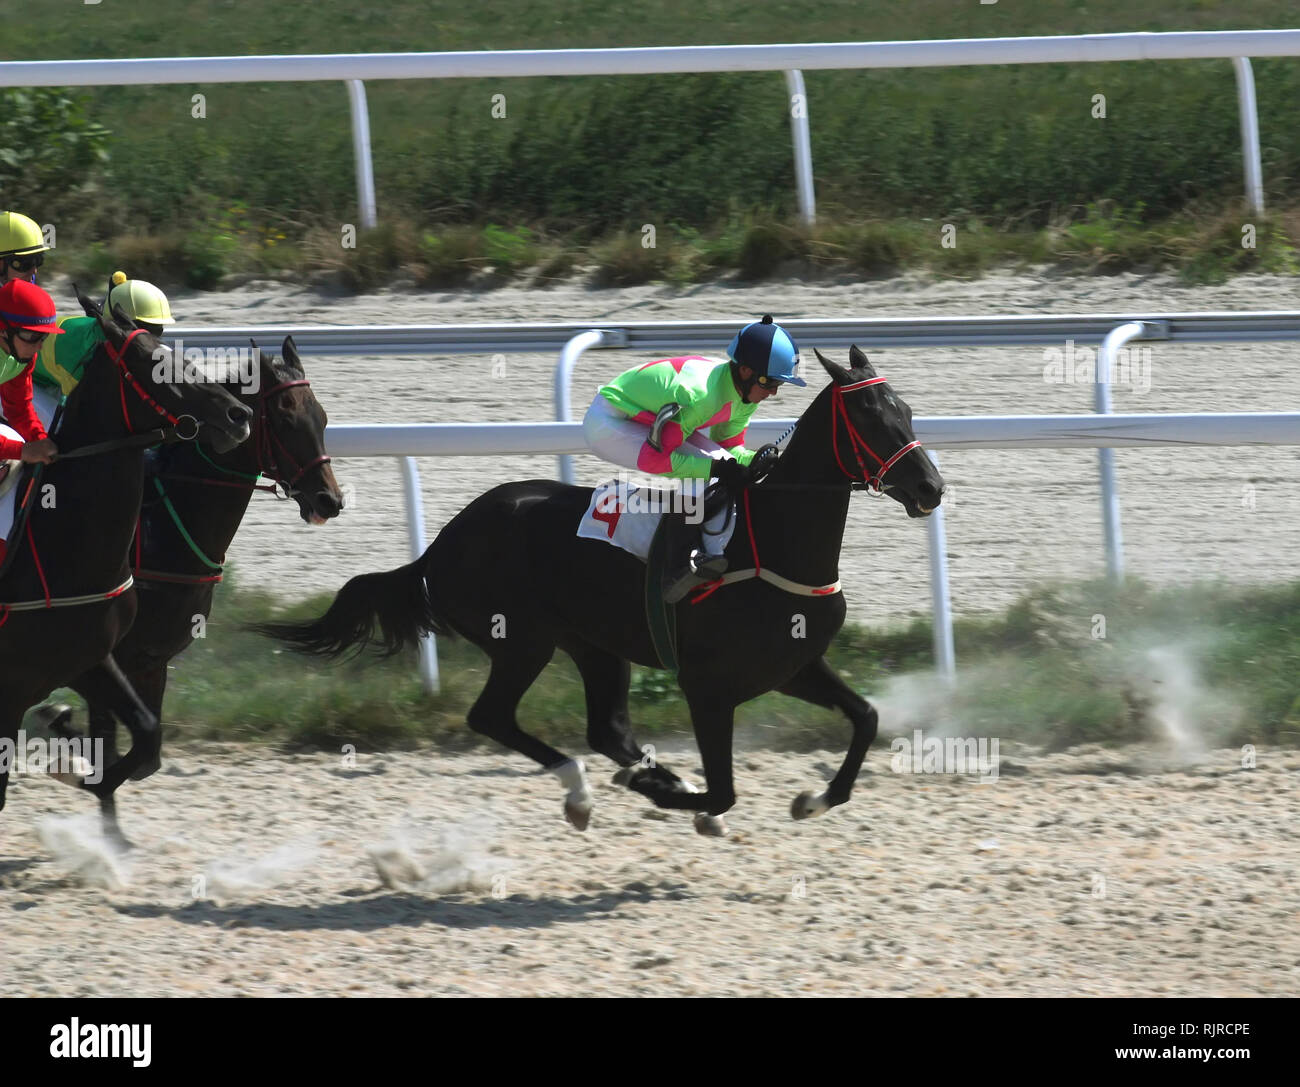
(627,515)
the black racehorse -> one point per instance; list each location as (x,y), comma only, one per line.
(194,501)
(65,599)
(509,573)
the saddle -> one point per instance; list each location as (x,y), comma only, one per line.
(661,617)
(671,540)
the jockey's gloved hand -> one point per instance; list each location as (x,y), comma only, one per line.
(731,473)
(764,461)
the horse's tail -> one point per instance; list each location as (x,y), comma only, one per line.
(392,607)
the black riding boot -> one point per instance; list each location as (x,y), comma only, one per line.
(698,566)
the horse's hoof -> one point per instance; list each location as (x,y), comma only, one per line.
(711,826)
(625,775)
(808,804)
(578,815)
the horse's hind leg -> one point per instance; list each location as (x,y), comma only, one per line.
(817,683)
(493,715)
(606,679)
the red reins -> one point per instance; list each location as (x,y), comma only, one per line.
(125,376)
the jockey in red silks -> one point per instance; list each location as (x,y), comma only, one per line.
(685,418)
(26,317)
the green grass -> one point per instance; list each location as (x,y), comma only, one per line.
(1199,245)
(264,182)
(1228,663)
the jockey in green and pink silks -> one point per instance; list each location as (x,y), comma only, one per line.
(685,418)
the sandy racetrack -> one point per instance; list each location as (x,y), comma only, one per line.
(1100,873)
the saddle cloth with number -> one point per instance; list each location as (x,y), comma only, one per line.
(627,514)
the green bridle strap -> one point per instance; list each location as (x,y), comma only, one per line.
(228,471)
(176,520)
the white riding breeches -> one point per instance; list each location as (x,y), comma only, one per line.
(619,439)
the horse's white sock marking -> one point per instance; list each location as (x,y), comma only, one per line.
(578,800)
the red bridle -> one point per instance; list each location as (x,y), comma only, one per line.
(857,441)
(267,444)
(125,377)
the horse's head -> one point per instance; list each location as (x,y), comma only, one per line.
(872,436)
(290,436)
(158,388)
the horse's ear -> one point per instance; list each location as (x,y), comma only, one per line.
(858,361)
(289,352)
(837,372)
(88,305)
(121,318)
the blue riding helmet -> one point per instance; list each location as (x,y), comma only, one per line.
(768,350)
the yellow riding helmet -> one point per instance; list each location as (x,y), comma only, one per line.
(20,235)
(142,301)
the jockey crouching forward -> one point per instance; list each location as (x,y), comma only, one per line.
(654,418)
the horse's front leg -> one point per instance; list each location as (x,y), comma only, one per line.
(105,685)
(713,721)
(817,683)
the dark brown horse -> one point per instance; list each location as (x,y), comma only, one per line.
(509,573)
(194,501)
(65,599)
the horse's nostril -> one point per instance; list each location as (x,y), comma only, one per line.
(239,414)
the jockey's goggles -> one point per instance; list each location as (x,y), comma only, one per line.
(28,263)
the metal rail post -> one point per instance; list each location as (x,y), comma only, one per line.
(803,174)
(415,535)
(361,152)
(945,661)
(1115,339)
(1249,133)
